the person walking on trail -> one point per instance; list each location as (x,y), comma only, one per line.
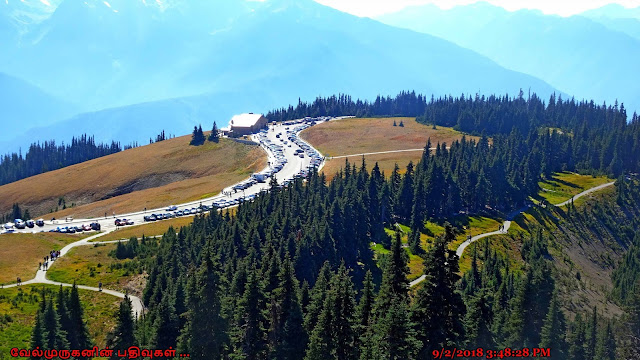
(18,280)
(39,265)
(100,286)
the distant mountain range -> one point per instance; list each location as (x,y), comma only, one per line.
(152,65)
(24,106)
(593,59)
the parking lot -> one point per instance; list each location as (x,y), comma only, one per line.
(289,157)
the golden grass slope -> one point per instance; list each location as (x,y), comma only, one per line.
(150,176)
(364,135)
(21,253)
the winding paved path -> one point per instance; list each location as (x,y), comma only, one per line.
(507,224)
(375,153)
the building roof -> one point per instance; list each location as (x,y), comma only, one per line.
(244,120)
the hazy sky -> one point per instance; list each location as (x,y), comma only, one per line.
(560,7)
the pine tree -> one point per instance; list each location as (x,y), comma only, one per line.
(165,326)
(197,137)
(214,136)
(249,337)
(576,340)
(478,322)
(591,336)
(394,284)
(287,338)
(63,314)
(394,337)
(606,345)
(38,333)
(55,337)
(438,309)
(122,336)
(553,329)
(631,349)
(204,336)
(334,335)
(79,333)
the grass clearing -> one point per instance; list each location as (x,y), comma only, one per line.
(150,176)
(562,186)
(20,304)
(89,265)
(475,225)
(21,253)
(364,135)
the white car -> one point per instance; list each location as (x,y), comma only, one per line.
(8,226)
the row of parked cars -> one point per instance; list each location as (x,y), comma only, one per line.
(94,226)
(316,157)
(19,224)
(277,151)
(173,212)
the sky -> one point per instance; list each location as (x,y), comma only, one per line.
(373,8)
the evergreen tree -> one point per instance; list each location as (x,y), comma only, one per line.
(55,337)
(394,337)
(334,335)
(553,329)
(438,309)
(591,336)
(214,136)
(249,337)
(38,333)
(631,348)
(78,333)
(122,336)
(197,137)
(606,345)
(287,338)
(204,336)
(577,339)
(165,326)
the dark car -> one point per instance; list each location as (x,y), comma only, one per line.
(95,226)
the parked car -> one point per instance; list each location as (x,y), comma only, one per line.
(95,226)
(86,227)
(19,224)
(172,208)
(150,218)
(40,222)
(8,226)
(30,224)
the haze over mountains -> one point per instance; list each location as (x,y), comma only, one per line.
(131,68)
(585,57)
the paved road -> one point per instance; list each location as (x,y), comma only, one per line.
(292,167)
(376,153)
(586,192)
(507,224)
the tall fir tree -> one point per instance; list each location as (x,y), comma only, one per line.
(204,335)
(214,136)
(438,309)
(123,335)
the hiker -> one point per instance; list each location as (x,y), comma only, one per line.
(100,286)
(39,265)
(18,281)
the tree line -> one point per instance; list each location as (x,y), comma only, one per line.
(48,156)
